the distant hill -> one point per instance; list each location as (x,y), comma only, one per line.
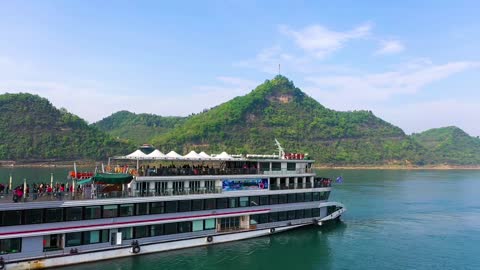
(138,128)
(277,109)
(450,145)
(32,129)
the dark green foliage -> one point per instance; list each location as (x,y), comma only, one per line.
(32,129)
(450,145)
(139,128)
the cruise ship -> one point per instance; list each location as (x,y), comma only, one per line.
(164,202)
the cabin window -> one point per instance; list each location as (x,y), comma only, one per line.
(222,203)
(91,237)
(171,206)
(229,223)
(157,207)
(290,166)
(53,215)
(209,224)
(194,186)
(300,197)
(110,211)
(197,225)
(291,215)
(127,233)
(13,245)
(308,197)
(276,166)
(210,204)
(52,242)
(254,201)
(273,217)
(141,209)
(141,231)
(126,210)
(299,214)
(273,199)
(282,198)
(105,236)
(184,227)
(156,230)
(170,228)
(325,195)
(74,213)
(232,202)
(316,196)
(33,216)
(292,198)
(197,205)
(73,239)
(12,218)
(264,200)
(178,187)
(282,216)
(210,185)
(184,206)
(93,212)
(316,212)
(308,213)
(243,201)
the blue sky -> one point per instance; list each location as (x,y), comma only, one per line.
(415,64)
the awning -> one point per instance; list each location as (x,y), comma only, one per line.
(108,178)
(85,181)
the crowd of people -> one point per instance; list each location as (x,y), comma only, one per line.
(38,191)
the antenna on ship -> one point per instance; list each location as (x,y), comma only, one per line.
(281,153)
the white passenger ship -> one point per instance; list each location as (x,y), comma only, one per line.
(172,202)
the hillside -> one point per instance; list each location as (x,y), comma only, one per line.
(277,109)
(450,145)
(32,129)
(138,128)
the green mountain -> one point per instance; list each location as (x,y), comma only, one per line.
(450,145)
(277,109)
(32,129)
(138,128)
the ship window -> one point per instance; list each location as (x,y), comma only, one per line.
(126,210)
(73,213)
(316,212)
(210,204)
(300,197)
(263,218)
(194,186)
(184,227)
(276,166)
(33,216)
(126,233)
(308,197)
(264,200)
(292,198)
(13,245)
(91,237)
(282,216)
(316,196)
(184,206)
(73,239)
(156,230)
(141,209)
(53,215)
(210,185)
(254,219)
(12,218)
(171,206)
(273,217)
(197,225)
(290,166)
(157,208)
(105,236)
(170,228)
(209,224)
(308,213)
(282,198)
(52,242)
(197,205)
(273,199)
(291,214)
(243,201)
(254,201)
(110,211)
(93,212)
(141,231)
(232,202)
(299,214)
(222,203)
(325,195)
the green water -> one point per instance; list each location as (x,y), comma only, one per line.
(395,220)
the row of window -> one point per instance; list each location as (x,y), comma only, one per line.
(285,215)
(36,216)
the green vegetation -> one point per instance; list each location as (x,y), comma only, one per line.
(450,145)
(32,129)
(137,128)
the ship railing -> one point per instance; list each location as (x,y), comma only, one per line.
(286,171)
(199,171)
(291,186)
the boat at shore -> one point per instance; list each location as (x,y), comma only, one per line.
(156,202)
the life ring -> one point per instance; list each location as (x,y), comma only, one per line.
(2,264)
(136,249)
(272,230)
(209,238)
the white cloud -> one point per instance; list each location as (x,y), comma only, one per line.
(390,47)
(320,41)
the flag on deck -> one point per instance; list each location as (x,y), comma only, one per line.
(339,179)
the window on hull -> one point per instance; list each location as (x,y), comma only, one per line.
(13,245)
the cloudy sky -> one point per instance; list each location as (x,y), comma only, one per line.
(415,64)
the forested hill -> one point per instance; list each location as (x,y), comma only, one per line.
(138,128)
(450,145)
(277,109)
(32,129)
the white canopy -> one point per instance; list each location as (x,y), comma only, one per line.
(223,155)
(156,154)
(204,155)
(192,155)
(136,155)
(173,154)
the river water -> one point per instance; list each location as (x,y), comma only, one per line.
(396,219)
